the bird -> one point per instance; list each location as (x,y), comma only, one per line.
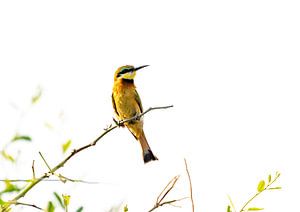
(127,104)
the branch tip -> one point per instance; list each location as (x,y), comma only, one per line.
(190,183)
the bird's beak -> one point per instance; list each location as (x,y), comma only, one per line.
(140,67)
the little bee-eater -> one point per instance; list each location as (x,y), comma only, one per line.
(127,104)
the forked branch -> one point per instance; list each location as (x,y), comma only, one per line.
(161,197)
(160,200)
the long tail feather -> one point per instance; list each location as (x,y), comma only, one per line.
(147,153)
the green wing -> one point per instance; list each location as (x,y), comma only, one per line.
(114,104)
(138,100)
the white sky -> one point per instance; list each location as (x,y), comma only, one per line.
(230,68)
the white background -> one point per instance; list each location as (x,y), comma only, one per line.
(230,68)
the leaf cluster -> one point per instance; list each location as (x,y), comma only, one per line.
(262,186)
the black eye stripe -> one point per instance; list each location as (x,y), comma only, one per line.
(124,71)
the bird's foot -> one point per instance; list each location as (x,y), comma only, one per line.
(137,117)
(118,123)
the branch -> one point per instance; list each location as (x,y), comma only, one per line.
(264,189)
(6,206)
(73,153)
(26,204)
(33,172)
(159,200)
(53,180)
(170,203)
(45,162)
(190,182)
(167,189)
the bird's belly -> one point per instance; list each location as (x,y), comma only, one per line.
(126,106)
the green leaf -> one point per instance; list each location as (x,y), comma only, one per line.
(79,209)
(275,188)
(1,202)
(269,178)
(277,174)
(66,200)
(37,95)
(50,207)
(58,198)
(7,156)
(228,208)
(255,209)
(125,208)
(261,186)
(231,202)
(66,145)
(9,187)
(18,137)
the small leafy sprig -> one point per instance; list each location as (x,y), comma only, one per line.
(261,187)
(62,201)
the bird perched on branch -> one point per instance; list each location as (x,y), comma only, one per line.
(127,104)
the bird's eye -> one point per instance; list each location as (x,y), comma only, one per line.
(126,70)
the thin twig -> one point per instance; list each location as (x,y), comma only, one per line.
(190,182)
(160,198)
(54,180)
(173,201)
(33,172)
(167,189)
(231,203)
(30,205)
(45,162)
(5,207)
(74,152)
(65,179)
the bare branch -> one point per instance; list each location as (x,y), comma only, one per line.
(45,162)
(167,189)
(31,205)
(25,204)
(65,179)
(34,182)
(53,180)
(190,182)
(171,202)
(160,199)
(33,172)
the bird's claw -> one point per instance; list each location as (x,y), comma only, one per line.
(137,117)
(118,123)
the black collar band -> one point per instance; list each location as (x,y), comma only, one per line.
(128,80)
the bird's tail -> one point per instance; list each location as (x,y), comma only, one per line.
(147,153)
